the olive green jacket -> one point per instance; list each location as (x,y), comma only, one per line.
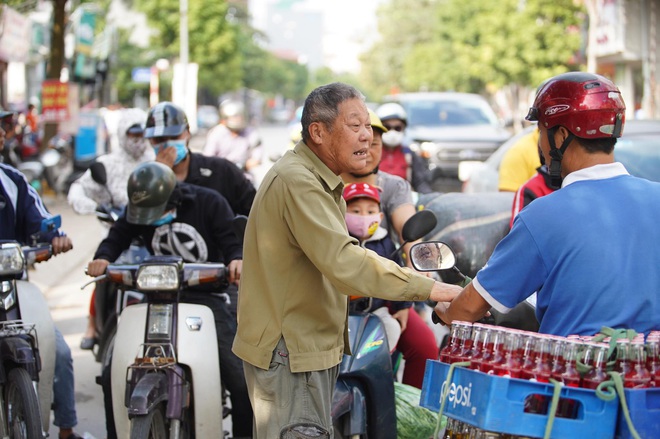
(300,264)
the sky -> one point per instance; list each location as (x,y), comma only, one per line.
(349,28)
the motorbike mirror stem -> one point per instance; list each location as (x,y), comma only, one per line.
(416,227)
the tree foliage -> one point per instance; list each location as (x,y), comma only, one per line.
(474,45)
(212,39)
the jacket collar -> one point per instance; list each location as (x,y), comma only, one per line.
(329,178)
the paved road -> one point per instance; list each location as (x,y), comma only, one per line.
(61,278)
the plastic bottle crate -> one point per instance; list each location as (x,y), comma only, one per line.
(644,408)
(496,403)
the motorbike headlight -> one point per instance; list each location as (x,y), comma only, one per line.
(11,259)
(158,278)
(159,323)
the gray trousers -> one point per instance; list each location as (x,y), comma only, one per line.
(290,405)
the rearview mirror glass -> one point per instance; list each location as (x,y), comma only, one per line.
(432,256)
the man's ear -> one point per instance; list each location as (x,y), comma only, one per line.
(563,133)
(316,132)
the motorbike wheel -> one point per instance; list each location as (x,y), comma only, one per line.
(149,426)
(23,413)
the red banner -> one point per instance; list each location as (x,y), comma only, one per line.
(55,101)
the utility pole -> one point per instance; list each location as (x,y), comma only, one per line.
(183,48)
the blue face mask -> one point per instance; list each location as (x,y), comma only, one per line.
(179,145)
(165,219)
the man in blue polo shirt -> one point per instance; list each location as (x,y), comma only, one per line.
(590,249)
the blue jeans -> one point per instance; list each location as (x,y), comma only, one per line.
(64,403)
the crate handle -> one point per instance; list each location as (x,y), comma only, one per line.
(606,392)
(444,395)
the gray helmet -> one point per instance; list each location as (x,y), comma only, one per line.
(392,110)
(165,119)
(233,113)
(150,186)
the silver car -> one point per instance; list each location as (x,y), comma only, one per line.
(448,127)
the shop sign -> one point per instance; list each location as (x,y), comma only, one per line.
(54,100)
(15,35)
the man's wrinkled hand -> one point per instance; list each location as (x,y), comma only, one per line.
(442,292)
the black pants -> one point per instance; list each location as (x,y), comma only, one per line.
(231,367)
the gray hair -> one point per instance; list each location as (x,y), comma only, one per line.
(322,105)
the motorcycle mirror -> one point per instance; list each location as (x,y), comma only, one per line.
(97,169)
(432,256)
(418,225)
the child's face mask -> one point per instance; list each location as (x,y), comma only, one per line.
(179,145)
(362,226)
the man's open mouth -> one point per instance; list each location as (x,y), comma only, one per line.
(361,152)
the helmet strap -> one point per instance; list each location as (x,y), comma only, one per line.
(373,171)
(557,154)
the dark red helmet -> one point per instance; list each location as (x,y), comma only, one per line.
(588,105)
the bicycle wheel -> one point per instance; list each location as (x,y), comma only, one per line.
(149,426)
(23,413)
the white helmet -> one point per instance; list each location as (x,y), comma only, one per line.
(233,113)
(392,110)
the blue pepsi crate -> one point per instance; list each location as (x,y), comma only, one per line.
(644,409)
(496,403)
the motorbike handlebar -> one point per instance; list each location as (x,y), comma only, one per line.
(37,253)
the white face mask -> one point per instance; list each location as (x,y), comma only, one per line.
(135,146)
(392,138)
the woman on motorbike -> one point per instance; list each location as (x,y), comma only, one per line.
(417,342)
(86,195)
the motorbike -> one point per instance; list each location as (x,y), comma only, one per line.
(363,403)
(165,381)
(27,342)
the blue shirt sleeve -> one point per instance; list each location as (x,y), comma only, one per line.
(514,271)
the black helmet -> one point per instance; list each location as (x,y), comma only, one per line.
(165,120)
(150,186)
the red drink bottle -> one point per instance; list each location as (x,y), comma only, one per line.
(598,372)
(638,376)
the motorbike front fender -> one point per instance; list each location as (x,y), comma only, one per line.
(349,408)
(197,348)
(34,309)
(130,331)
(149,391)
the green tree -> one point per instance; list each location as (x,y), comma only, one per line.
(474,45)
(213,40)
(402,25)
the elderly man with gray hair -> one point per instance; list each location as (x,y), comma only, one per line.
(300,264)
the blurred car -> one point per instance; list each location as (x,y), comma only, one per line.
(638,149)
(448,127)
(207,116)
